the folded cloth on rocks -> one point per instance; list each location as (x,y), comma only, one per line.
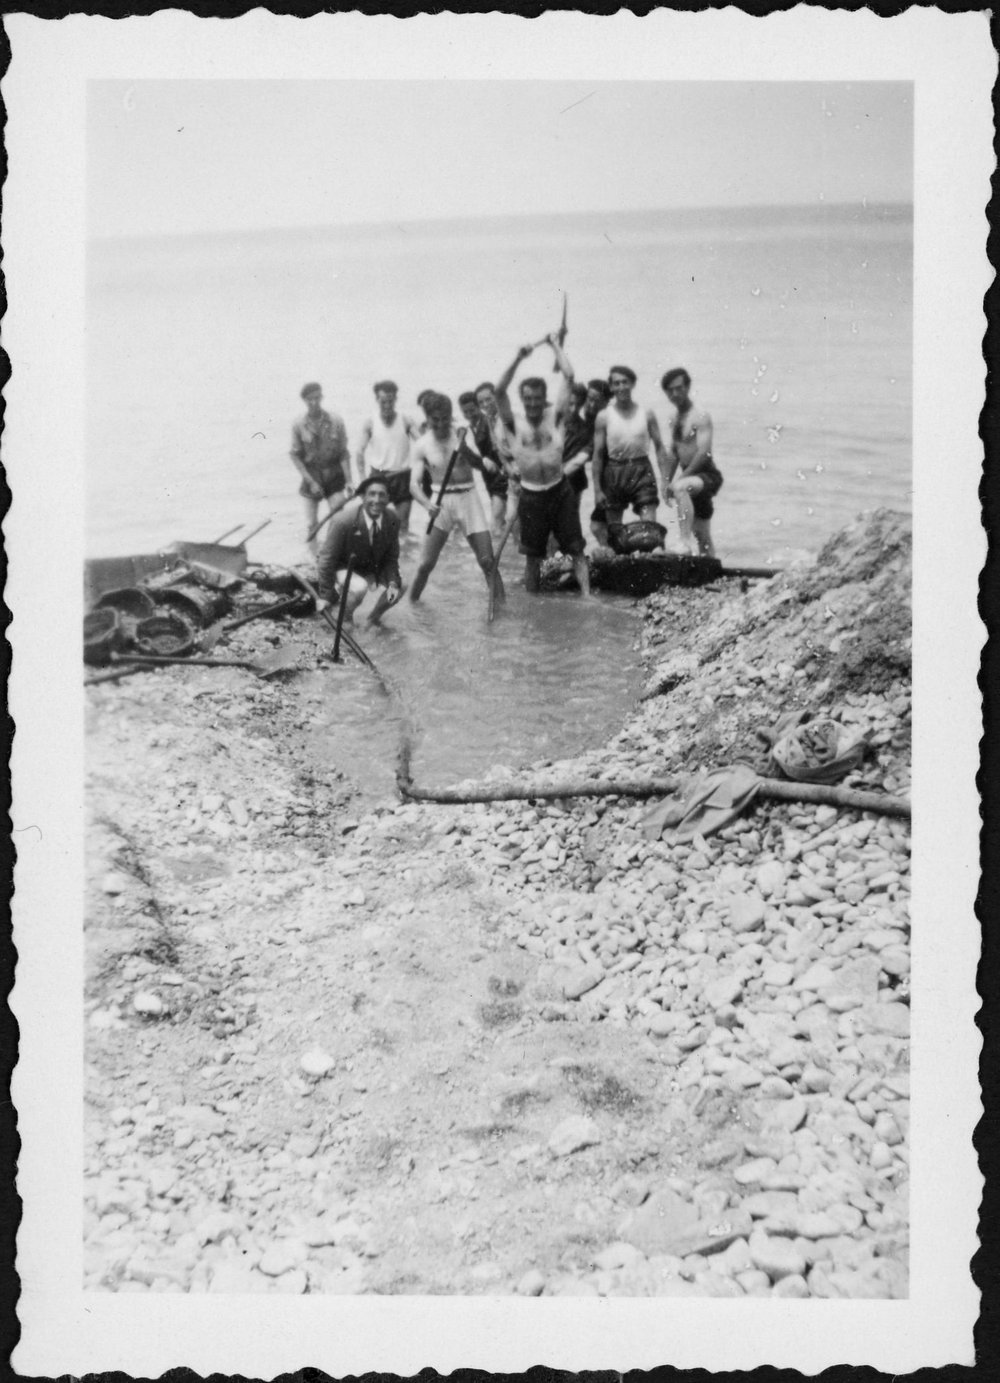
(703,804)
(820,751)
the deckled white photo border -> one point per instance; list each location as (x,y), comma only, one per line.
(950,59)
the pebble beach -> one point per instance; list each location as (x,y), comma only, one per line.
(511,1047)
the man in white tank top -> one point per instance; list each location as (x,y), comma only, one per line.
(624,433)
(385,447)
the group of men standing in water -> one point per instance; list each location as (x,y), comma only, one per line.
(532,464)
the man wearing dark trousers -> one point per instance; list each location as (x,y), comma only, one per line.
(369,535)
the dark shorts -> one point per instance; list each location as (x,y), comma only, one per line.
(701,503)
(629,482)
(330,480)
(578,480)
(496,483)
(398,485)
(555,511)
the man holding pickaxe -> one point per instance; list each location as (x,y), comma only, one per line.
(547,503)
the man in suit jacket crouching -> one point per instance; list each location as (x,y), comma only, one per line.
(369,534)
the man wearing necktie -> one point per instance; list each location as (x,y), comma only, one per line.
(368,534)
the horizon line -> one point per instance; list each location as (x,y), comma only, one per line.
(866,205)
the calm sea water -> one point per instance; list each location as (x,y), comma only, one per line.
(795,324)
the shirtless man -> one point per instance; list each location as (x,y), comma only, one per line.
(548,502)
(460,507)
(319,454)
(385,447)
(691,454)
(623,436)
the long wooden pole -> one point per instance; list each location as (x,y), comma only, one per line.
(253,533)
(495,569)
(343,609)
(771,788)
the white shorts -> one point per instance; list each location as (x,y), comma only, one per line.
(461,509)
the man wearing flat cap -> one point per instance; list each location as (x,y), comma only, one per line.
(369,534)
(319,454)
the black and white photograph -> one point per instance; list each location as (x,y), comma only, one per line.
(512,804)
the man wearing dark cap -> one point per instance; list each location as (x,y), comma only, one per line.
(368,534)
(319,454)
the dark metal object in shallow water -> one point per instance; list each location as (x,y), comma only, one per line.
(645,536)
(642,573)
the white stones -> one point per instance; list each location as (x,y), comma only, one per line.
(530,1284)
(282,1257)
(694,940)
(786,1115)
(816,1224)
(663,1024)
(725,990)
(770,877)
(776,1088)
(816,977)
(356,897)
(211,802)
(778,974)
(579,979)
(887,1130)
(656,1226)
(114,883)
(618,1255)
(238,811)
(148,1004)
(880,1156)
(573,1134)
(746,911)
(754,1171)
(776,1256)
(316,1063)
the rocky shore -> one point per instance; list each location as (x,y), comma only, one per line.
(517,1047)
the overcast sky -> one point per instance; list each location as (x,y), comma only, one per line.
(170,157)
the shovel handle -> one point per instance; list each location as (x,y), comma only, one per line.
(444,483)
(253,532)
(228,534)
(343,609)
(274,608)
(495,569)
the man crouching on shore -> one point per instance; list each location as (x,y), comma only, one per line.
(370,535)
